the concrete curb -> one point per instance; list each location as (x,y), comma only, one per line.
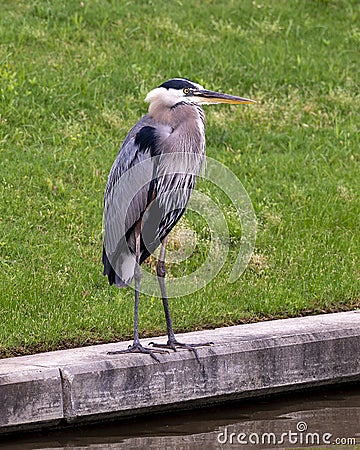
(86,384)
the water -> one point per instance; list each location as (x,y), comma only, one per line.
(329,418)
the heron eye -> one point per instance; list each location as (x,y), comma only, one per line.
(186,91)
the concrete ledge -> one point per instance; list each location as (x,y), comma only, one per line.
(83,384)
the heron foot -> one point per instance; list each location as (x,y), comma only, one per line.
(173,344)
(138,348)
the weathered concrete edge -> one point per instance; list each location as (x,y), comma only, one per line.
(81,385)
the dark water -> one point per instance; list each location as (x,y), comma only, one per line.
(329,418)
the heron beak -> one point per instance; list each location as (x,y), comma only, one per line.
(208,97)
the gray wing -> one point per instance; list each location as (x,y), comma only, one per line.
(125,175)
(125,200)
(130,188)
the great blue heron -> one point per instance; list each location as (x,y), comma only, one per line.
(173,127)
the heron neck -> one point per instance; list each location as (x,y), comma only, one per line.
(180,114)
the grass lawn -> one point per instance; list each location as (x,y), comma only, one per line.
(73,77)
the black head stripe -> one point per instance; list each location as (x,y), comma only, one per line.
(178,83)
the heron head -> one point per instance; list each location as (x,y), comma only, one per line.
(182,90)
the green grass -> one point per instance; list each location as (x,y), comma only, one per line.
(73,77)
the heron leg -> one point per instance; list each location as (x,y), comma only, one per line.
(137,347)
(172,343)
